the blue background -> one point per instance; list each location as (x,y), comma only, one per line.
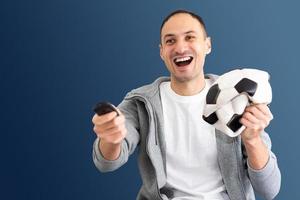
(60,57)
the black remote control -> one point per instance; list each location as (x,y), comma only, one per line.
(105,107)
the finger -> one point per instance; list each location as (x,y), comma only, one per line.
(266,110)
(262,107)
(256,112)
(111,131)
(246,122)
(115,122)
(256,123)
(250,117)
(114,137)
(249,124)
(98,120)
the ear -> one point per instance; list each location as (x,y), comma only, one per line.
(208,45)
(161,51)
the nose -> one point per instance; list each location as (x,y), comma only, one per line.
(181,47)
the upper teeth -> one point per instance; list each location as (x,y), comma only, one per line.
(182,59)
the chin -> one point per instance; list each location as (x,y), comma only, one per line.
(188,77)
(183,79)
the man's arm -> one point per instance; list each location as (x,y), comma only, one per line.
(256,118)
(262,164)
(117,137)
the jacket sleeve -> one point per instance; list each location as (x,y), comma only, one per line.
(266,182)
(129,109)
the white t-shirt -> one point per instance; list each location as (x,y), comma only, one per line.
(191,152)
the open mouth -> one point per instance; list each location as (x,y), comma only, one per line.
(183,61)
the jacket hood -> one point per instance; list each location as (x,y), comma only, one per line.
(150,90)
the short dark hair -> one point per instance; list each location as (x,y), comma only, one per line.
(200,20)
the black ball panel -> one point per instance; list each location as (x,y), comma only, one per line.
(234,123)
(212,95)
(246,85)
(211,119)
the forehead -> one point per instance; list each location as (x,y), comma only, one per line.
(181,23)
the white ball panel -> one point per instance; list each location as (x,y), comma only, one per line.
(226,96)
(225,113)
(239,103)
(209,109)
(229,79)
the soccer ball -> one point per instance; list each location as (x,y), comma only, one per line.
(229,95)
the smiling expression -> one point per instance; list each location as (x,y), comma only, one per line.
(183,47)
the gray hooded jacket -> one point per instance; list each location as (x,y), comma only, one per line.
(144,122)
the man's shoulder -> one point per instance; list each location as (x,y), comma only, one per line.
(149,89)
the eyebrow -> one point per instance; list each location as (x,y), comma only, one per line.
(171,34)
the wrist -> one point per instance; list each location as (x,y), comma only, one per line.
(110,151)
(106,143)
(257,152)
(253,141)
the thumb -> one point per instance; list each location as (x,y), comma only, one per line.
(118,111)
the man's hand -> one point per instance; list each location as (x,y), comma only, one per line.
(111,131)
(256,118)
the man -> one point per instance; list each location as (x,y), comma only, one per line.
(180,156)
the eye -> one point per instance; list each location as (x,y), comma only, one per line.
(190,37)
(170,41)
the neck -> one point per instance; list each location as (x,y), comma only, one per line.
(188,88)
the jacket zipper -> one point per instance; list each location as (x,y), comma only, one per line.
(147,139)
(156,131)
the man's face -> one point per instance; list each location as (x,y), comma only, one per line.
(183,47)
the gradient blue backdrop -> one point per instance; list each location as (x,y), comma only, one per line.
(60,57)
